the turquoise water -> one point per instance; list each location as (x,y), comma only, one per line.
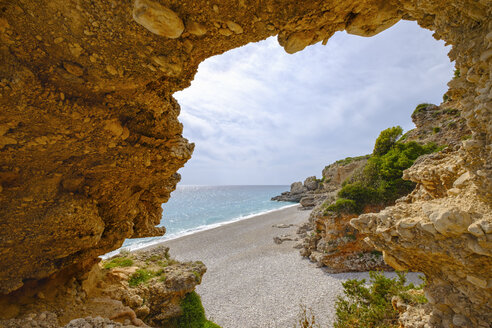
(196,208)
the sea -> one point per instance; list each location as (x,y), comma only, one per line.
(196,208)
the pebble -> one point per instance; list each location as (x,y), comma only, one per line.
(234,27)
(298,41)
(157,19)
(225,32)
(196,28)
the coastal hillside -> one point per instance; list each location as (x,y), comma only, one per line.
(367,184)
(90,141)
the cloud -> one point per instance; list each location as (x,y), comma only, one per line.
(260,116)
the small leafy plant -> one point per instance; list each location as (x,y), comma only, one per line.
(118,262)
(370,305)
(140,276)
(193,313)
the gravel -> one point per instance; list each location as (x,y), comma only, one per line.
(253,282)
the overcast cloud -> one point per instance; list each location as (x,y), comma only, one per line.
(261,116)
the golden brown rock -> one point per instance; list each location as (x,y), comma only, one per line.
(57,127)
(157,19)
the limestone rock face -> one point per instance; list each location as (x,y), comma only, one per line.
(338,247)
(311,183)
(157,18)
(443,124)
(110,293)
(440,230)
(89,130)
(336,173)
(297,188)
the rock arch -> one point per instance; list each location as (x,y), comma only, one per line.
(90,141)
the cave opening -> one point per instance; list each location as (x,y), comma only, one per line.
(259,116)
(91,143)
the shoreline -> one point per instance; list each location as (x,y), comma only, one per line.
(162,239)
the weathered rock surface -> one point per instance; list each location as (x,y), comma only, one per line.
(90,141)
(334,244)
(442,125)
(107,293)
(441,230)
(336,173)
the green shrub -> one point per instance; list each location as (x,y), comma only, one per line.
(386,140)
(370,306)
(436,129)
(210,324)
(118,262)
(380,181)
(342,205)
(193,313)
(358,192)
(445,97)
(349,160)
(140,276)
(403,137)
(457,73)
(420,108)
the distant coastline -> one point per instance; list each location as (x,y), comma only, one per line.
(138,246)
(194,208)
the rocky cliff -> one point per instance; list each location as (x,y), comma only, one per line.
(132,289)
(314,191)
(329,239)
(90,142)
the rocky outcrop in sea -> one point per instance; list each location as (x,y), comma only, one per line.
(316,191)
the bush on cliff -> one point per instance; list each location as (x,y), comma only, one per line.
(386,140)
(193,313)
(380,182)
(371,306)
(342,205)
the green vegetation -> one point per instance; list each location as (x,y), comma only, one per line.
(436,129)
(370,306)
(380,181)
(118,262)
(404,137)
(452,111)
(342,205)
(420,108)
(445,98)
(198,278)
(193,313)
(140,276)
(386,140)
(468,136)
(457,73)
(349,160)
(376,253)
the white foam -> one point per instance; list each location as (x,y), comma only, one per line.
(188,232)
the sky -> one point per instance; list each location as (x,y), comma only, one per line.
(258,115)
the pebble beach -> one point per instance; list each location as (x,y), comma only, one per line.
(252,282)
